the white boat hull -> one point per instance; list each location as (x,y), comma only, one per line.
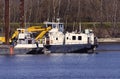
(28,46)
(21,49)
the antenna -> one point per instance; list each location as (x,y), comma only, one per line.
(58,19)
(80,25)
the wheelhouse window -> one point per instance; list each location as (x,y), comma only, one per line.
(60,25)
(73,37)
(29,41)
(48,25)
(79,38)
(54,26)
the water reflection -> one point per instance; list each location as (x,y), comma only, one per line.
(104,65)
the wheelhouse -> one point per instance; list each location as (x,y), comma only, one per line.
(54,25)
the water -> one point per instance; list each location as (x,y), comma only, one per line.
(104,65)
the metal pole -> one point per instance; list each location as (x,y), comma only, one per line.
(22,13)
(7,26)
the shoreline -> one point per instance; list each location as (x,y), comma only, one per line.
(108,40)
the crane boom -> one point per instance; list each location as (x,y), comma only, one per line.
(40,36)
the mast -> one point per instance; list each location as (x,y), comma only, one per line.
(80,27)
(7,19)
(22,13)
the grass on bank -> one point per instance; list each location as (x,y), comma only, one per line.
(85,24)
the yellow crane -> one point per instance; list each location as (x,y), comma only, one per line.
(42,31)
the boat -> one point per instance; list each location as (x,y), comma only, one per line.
(52,38)
(30,40)
(59,41)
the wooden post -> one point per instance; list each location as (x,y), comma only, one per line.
(22,13)
(11,50)
(7,27)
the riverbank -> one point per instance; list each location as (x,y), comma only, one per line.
(108,40)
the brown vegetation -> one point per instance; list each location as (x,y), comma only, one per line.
(70,11)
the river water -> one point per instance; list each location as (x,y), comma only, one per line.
(103,65)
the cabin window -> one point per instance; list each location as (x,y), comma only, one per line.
(29,41)
(31,35)
(73,37)
(54,26)
(28,36)
(79,38)
(60,25)
(67,38)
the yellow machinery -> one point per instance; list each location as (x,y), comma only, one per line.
(2,40)
(40,29)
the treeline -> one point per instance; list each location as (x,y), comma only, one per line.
(70,11)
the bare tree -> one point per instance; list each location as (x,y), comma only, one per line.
(115,8)
(67,11)
(58,12)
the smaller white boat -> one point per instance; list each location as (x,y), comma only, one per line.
(26,43)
